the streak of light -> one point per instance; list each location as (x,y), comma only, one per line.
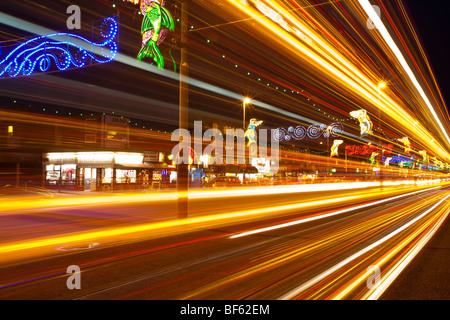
(191,222)
(387,37)
(170,196)
(131,61)
(296,291)
(241,20)
(390,275)
(386,281)
(329,61)
(323,216)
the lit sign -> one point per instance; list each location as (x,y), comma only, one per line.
(156,24)
(314,131)
(88,157)
(364,121)
(60,51)
(128,158)
(401,160)
(367,149)
(97,157)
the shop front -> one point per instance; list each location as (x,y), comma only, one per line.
(96,171)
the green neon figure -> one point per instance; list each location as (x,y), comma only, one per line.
(155,26)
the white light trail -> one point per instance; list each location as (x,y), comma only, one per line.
(291,294)
(323,216)
(387,37)
(386,281)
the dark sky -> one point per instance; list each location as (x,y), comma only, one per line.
(432,20)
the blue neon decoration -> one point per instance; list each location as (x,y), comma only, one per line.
(61,50)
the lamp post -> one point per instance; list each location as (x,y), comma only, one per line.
(244,103)
(381,85)
(182,168)
(328,149)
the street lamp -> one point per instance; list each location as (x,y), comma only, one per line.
(246,100)
(381,85)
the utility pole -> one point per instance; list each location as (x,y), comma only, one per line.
(182,168)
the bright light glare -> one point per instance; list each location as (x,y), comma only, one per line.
(322,216)
(387,37)
(291,294)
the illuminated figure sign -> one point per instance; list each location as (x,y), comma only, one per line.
(423,153)
(386,161)
(250,134)
(364,121)
(60,51)
(155,25)
(373,156)
(406,143)
(335,147)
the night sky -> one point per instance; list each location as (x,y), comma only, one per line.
(432,20)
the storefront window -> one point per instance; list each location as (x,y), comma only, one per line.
(125,176)
(107,175)
(53,176)
(64,173)
(68,173)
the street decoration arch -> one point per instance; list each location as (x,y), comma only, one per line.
(60,51)
(314,131)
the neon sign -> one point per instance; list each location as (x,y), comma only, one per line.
(155,26)
(406,143)
(335,148)
(367,149)
(60,51)
(364,121)
(314,131)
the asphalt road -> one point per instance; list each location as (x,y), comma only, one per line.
(346,245)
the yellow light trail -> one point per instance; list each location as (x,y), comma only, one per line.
(317,244)
(389,277)
(24,203)
(191,222)
(387,37)
(331,61)
(390,274)
(299,289)
(173,225)
(323,216)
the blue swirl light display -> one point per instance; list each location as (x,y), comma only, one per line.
(60,51)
